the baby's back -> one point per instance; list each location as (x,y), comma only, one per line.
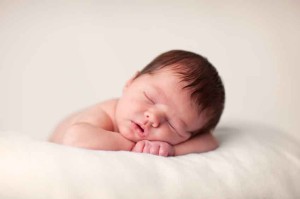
(94,115)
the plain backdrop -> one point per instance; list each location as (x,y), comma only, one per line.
(57,57)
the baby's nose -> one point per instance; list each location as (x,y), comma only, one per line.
(154,118)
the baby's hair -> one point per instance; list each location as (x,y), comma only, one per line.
(201,79)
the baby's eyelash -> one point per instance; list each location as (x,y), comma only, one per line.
(171,125)
(148,98)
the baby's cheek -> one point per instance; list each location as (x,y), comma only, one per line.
(164,134)
(125,132)
(136,104)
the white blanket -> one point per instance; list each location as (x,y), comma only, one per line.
(252,162)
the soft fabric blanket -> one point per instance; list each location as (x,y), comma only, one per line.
(252,162)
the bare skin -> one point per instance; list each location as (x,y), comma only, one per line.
(153,115)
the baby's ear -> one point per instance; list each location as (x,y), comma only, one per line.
(128,83)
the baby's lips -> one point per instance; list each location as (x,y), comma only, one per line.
(146,129)
(138,129)
(142,131)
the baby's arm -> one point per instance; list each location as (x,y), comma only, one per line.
(198,144)
(86,135)
(91,128)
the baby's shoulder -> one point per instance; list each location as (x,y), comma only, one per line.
(109,106)
(100,114)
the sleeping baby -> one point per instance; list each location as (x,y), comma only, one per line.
(169,108)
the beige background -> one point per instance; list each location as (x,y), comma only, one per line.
(59,56)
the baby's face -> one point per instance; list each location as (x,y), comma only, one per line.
(155,107)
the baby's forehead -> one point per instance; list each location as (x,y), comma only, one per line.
(175,69)
(180,73)
(184,85)
(171,72)
(167,83)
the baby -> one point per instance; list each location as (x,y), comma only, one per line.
(169,108)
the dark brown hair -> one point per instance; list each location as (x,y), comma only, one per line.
(201,78)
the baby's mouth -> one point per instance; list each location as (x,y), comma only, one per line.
(140,127)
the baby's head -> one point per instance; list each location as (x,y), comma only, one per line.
(177,86)
(201,78)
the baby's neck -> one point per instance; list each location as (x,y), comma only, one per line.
(110,109)
(113,117)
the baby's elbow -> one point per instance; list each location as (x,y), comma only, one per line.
(214,144)
(72,136)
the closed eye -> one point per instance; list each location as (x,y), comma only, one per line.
(175,130)
(171,125)
(148,98)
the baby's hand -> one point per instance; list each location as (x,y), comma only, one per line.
(154,147)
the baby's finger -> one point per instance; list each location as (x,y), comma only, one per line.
(147,147)
(139,147)
(163,152)
(154,150)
